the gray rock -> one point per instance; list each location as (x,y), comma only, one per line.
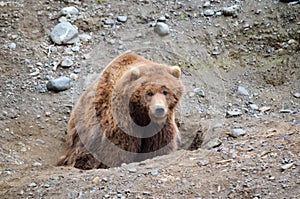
(36,164)
(12,46)
(199,92)
(75,48)
(286,111)
(230,11)
(162,19)
(33,184)
(234,113)
(206,4)
(161,29)
(242,91)
(209,12)
(122,19)
(109,22)
(69,11)
(67,63)
(132,170)
(59,84)
(212,143)
(287,166)
(64,33)
(238,132)
(253,106)
(85,37)
(154,172)
(296,95)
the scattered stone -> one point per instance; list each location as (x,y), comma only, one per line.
(77,70)
(234,113)
(64,33)
(213,143)
(121,19)
(216,53)
(230,11)
(96,180)
(206,4)
(104,179)
(85,37)
(69,11)
(33,184)
(36,164)
(109,22)
(209,12)
(74,76)
(59,84)
(67,63)
(12,46)
(75,48)
(242,91)
(161,29)
(253,106)
(296,95)
(132,170)
(202,162)
(287,166)
(154,172)
(264,109)
(286,111)
(39,142)
(237,132)
(162,19)
(199,91)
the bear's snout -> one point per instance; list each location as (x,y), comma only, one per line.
(159,111)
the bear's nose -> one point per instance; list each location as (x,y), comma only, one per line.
(159,111)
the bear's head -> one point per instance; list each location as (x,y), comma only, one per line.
(148,94)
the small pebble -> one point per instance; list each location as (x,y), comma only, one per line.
(242,91)
(161,29)
(95,180)
(199,92)
(154,172)
(202,162)
(109,22)
(69,11)
(253,106)
(209,12)
(122,19)
(67,63)
(286,111)
(230,11)
(237,132)
(234,113)
(296,95)
(213,143)
(162,19)
(12,46)
(36,164)
(33,184)
(132,170)
(85,37)
(287,166)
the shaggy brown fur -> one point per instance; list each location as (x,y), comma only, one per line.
(126,115)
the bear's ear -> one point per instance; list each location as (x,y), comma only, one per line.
(175,71)
(134,73)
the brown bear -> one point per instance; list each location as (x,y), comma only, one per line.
(126,115)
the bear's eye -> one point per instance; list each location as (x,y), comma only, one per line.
(150,94)
(165,93)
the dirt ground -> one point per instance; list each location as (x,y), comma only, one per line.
(240,71)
